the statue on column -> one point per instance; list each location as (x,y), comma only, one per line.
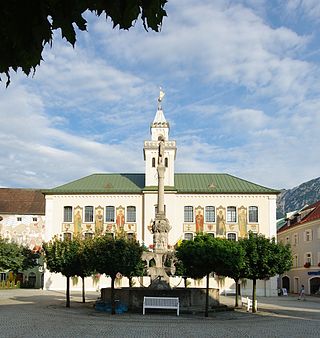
(160,150)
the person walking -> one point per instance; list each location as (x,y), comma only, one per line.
(302,293)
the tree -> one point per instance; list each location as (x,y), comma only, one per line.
(113,256)
(231,262)
(264,258)
(15,257)
(198,259)
(83,267)
(27,26)
(62,257)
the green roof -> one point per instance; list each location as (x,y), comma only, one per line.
(184,183)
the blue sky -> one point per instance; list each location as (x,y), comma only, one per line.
(242,83)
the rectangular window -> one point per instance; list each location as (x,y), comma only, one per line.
(188,236)
(295,261)
(67,214)
(210,214)
(19,219)
(34,219)
(232,236)
(88,235)
(188,214)
(67,236)
(88,214)
(295,239)
(309,258)
(231,214)
(110,214)
(131,214)
(308,235)
(253,214)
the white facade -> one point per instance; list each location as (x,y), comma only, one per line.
(224,214)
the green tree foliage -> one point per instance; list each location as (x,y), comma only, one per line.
(27,26)
(62,256)
(264,258)
(113,256)
(230,261)
(15,257)
(198,258)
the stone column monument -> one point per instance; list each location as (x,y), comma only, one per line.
(160,226)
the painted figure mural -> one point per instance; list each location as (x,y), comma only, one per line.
(77,222)
(120,219)
(242,221)
(99,221)
(221,222)
(199,219)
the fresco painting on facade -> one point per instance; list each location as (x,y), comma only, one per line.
(189,228)
(210,227)
(99,221)
(199,219)
(130,227)
(26,232)
(77,221)
(242,221)
(254,228)
(120,220)
(221,221)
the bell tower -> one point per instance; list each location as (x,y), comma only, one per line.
(159,130)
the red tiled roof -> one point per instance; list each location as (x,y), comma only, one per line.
(313,214)
(22,201)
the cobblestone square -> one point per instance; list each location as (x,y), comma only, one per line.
(38,313)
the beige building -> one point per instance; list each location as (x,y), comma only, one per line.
(302,231)
(217,203)
(22,220)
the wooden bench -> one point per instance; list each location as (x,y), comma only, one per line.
(246,301)
(160,303)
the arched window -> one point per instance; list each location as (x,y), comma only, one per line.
(109,213)
(166,162)
(188,214)
(253,214)
(153,162)
(67,214)
(88,214)
(131,214)
(210,214)
(231,214)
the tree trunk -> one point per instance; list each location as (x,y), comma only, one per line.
(113,305)
(254,295)
(130,282)
(83,291)
(237,293)
(185,281)
(68,292)
(206,313)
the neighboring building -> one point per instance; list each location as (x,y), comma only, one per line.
(22,221)
(219,204)
(302,231)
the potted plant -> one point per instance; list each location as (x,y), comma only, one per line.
(307,264)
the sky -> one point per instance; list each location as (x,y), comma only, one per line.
(242,84)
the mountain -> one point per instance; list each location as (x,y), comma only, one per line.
(296,198)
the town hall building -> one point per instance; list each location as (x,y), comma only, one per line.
(126,203)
